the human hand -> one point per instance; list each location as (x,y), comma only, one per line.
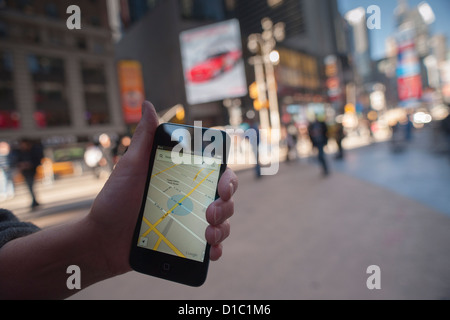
(116,208)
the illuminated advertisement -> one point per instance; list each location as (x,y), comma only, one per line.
(333,83)
(409,80)
(131,90)
(212,62)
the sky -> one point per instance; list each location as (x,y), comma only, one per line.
(441,9)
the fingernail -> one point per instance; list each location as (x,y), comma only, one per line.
(231,188)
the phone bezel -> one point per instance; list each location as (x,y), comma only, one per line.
(162,265)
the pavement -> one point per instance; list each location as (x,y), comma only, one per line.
(298,235)
(421,170)
(61,201)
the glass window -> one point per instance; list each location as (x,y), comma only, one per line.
(94,81)
(30,34)
(26,6)
(4,29)
(138,8)
(99,46)
(51,10)
(9,117)
(203,9)
(50,97)
(81,43)
(56,38)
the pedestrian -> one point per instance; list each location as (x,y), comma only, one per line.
(445,126)
(106,146)
(339,135)
(291,141)
(34,263)
(254,136)
(121,148)
(318,133)
(27,158)
(408,128)
(398,136)
(6,174)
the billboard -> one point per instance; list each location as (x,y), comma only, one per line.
(213,65)
(409,80)
(333,82)
(131,90)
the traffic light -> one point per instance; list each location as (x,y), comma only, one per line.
(254,94)
(180,114)
(258,105)
(253,91)
(350,108)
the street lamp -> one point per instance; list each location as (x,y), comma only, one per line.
(263,45)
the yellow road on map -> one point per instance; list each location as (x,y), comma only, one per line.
(178,203)
(181,192)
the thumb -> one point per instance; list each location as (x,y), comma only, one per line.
(142,141)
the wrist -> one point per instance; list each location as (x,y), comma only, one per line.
(108,247)
(97,257)
(48,255)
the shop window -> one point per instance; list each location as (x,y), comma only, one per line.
(4,29)
(51,10)
(50,92)
(96,99)
(9,117)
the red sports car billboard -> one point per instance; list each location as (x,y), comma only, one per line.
(212,62)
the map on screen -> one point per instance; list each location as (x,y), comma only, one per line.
(174,219)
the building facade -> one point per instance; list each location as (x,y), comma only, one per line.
(57,84)
(314,31)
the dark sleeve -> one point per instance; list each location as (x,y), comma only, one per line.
(12,228)
(325,129)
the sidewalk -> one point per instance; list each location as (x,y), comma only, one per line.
(297,235)
(418,172)
(60,201)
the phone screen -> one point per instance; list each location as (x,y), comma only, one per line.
(174,217)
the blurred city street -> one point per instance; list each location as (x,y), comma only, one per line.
(420,172)
(312,238)
(355,95)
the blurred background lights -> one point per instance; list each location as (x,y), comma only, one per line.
(426,12)
(274,57)
(422,117)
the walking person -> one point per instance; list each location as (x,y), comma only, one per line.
(255,138)
(339,135)
(318,133)
(291,140)
(28,157)
(6,173)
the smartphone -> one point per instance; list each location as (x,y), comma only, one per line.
(185,166)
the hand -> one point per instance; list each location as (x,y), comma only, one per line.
(116,208)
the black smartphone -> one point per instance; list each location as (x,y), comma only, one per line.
(185,166)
